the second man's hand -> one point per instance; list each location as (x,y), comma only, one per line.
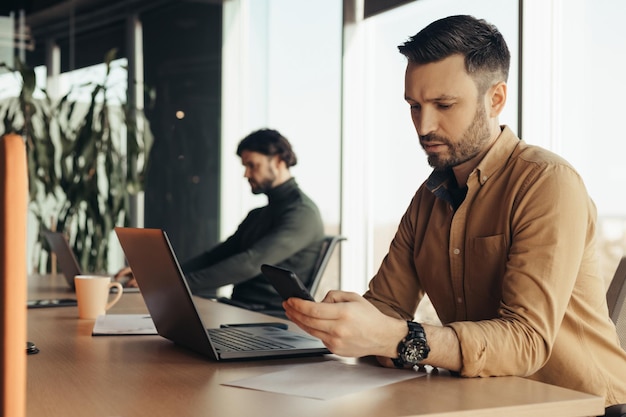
(125,277)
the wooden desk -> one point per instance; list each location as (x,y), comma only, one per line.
(76,374)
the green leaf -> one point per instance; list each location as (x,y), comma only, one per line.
(29,80)
(108,57)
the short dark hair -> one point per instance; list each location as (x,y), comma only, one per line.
(487,57)
(268,142)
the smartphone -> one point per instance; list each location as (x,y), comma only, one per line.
(286,282)
(51,302)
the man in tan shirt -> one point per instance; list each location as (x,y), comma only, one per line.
(501,237)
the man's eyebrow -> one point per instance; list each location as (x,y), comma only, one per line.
(442,97)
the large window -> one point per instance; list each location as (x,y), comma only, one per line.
(572,82)
(593,88)
(574,66)
(282,70)
(79,84)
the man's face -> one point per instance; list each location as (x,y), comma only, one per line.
(261,170)
(449,117)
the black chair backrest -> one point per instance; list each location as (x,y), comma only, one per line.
(616,300)
(326,252)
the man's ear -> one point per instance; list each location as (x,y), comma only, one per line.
(278,162)
(497,98)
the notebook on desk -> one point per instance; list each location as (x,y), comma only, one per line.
(175,316)
(66,259)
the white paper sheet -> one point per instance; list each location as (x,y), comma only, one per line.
(326,380)
(123,324)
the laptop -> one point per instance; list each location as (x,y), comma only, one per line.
(65,256)
(66,259)
(175,315)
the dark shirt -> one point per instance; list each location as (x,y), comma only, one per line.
(442,183)
(288,232)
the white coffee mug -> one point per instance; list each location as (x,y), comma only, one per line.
(92,295)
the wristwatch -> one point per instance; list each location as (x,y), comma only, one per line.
(413,348)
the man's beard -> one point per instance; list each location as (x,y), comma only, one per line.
(470,145)
(264,185)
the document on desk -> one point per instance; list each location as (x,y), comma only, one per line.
(123,324)
(326,380)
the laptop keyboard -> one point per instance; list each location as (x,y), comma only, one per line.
(236,339)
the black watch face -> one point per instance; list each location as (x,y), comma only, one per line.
(413,352)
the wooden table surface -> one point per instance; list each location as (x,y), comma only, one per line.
(76,374)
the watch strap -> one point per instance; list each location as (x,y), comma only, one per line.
(415,332)
(398,362)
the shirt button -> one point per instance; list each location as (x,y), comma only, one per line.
(459,300)
(456,251)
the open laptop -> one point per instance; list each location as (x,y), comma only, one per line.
(175,316)
(68,264)
(65,256)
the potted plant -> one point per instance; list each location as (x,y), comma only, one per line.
(85,161)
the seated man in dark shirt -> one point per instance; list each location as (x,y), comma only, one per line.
(288,231)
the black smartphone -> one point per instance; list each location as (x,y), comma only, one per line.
(51,302)
(286,282)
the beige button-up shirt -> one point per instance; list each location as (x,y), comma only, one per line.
(514,271)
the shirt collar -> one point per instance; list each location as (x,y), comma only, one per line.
(493,160)
(281,191)
(497,156)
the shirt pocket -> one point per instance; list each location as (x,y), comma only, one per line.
(483,285)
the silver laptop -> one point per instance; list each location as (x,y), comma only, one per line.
(175,316)
(65,256)
(66,260)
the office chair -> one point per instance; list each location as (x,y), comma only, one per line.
(326,252)
(13,274)
(618,410)
(616,300)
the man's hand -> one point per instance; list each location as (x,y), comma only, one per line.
(348,324)
(125,276)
